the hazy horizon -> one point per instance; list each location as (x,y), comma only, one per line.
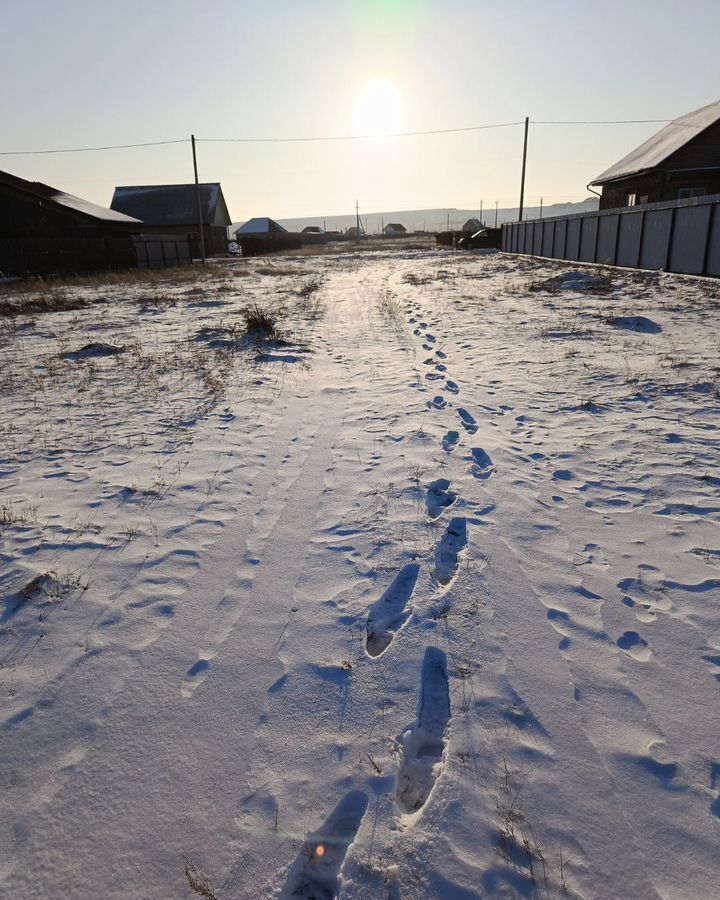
(80,76)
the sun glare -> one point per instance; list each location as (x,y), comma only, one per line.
(379,108)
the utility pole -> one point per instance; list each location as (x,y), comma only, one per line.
(524,165)
(357,219)
(199,202)
(496,212)
(448,221)
(481,206)
(541,207)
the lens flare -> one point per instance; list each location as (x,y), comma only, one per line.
(379,108)
(320,850)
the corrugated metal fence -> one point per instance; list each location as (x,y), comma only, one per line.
(678,236)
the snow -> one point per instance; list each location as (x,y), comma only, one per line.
(660,146)
(329,626)
(91,209)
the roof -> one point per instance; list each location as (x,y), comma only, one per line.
(261,225)
(172,204)
(473,223)
(662,145)
(313,229)
(396,226)
(60,198)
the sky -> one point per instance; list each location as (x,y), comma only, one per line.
(85,73)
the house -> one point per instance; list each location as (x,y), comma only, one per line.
(473,225)
(173,209)
(681,161)
(354,232)
(44,231)
(260,225)
(393,229)
(313,229)
(262,235)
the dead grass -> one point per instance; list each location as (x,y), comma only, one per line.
(199,881)
(262,321)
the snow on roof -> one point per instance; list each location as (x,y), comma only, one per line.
(171,204)
(663,144)
(91,209)
(261,225)
(45,192)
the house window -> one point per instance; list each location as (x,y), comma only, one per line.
(688,193)
(631,199)
(644,199)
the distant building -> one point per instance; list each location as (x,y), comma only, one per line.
(394,229)
(313,229)
(354,232)
(681,161)
(260,225)
(173,209)
(473,225)
(45,231)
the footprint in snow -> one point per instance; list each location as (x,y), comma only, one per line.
(434,376)
(437,403)
(390,613)
(450,441)
(439,497)
(468,423)
(447,555)
(315,873)
(483,466)
(631,643)
(196,674)
(424,744)
(440,354)
(452,386)
(430,337)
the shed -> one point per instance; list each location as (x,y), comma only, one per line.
(473,225)
(44,230)
(681,161)
(172,209)
(394,229)
(260,225)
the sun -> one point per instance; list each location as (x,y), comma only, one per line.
(379,108)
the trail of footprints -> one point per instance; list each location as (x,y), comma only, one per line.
(316,872)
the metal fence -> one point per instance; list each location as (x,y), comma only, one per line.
(677,236)
(157,251)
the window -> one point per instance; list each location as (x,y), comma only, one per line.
(631,199)
(688,193)
(643,199)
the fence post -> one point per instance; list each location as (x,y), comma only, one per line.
(617,239)
(711,223)
(671,235)
(641,241)
(597,236)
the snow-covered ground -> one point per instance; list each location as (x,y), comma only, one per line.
(422,603)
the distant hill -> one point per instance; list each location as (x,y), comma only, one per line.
(429,219)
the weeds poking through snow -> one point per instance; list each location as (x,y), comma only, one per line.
(516,842)
(261,321)
(198,881)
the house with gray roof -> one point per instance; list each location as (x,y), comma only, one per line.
(173,209)
(260,225)
(681,161)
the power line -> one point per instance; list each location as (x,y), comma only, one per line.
(91,149)
(346,137)
(605,122)
(355,137)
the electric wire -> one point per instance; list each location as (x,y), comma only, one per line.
(329,138)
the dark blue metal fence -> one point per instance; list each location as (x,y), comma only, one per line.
(677,236)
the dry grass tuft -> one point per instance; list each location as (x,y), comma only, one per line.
(198,881)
